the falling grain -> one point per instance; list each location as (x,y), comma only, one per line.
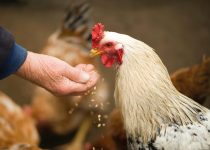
(94,88)
(71,111)
(99,117)
(76,104)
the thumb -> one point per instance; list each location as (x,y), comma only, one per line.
(78,75)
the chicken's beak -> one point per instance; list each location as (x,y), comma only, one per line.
(94,52)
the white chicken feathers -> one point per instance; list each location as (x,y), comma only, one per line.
(156,115)
(194,136)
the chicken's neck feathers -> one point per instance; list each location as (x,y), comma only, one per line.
(146,95)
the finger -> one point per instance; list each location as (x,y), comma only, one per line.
(77,75)
(86,67)
(93,80)
(89,67)
(80,66)
(80,88)
(69,87)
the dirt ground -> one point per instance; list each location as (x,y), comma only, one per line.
(179,30)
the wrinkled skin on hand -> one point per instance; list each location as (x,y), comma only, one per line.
(57,76)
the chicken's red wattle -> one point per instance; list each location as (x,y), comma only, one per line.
(107,60)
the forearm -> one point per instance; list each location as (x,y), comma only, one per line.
(30,69)
(35,69)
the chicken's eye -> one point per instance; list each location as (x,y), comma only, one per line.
(108,44)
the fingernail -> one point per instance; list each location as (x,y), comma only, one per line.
(85,77)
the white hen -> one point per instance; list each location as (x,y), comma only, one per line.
(156,115)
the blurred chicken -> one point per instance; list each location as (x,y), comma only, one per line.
(192,81)
(71,43)
(20,147)
(78,141)
(17,130)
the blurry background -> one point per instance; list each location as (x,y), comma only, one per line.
(179,30)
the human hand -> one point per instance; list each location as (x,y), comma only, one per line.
(57,76)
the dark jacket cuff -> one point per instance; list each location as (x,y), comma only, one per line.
(13,62)
(6,43)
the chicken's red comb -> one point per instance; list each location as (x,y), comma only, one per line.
(97,34)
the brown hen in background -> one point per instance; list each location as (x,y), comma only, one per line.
(194,81)
(71,43)
(17,130)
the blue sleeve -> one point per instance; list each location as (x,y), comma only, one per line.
(12,55)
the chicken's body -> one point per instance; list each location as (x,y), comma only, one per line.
(192,81)
(156,115)
(17,130)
